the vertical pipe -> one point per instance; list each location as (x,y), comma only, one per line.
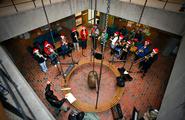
(47,21)
(95,7)
(34,3)
(91,11)
(165,4)
(142,11)
(93,46)
(99,79)
(14,6)
(50,2)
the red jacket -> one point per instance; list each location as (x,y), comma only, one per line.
(49,49)
(84,35)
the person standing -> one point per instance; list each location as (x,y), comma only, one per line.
(40,59)
(103,39)
(94,35)
(142,50)
(148,60)
(74,37)
(84,35)
(64,49)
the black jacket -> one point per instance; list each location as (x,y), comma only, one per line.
(73,36)
(38,59)
(52,99)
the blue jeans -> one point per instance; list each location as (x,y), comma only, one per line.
(43,67)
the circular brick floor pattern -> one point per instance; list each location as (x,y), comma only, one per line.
(109,93)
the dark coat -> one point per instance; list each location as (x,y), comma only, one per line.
(52,99)
(73,36)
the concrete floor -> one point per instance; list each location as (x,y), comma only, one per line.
(139,93)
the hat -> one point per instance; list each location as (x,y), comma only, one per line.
(121,36)
(148,40)
(35,50)
(129,42)
(62,36)
(117,33)
(74,29)
(156,50)
(46,44)
(48,82)
(83,27)
(135,40)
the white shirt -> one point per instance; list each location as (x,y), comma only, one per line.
(114,40)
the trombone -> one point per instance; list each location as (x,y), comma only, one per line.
(146,57)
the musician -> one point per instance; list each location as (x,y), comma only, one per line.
(121,40)
(114,40)
(142,50)
(148,60)
(103,38)
(74,37)
(94,35)
(40,59)
(49,50)
(125,50)
(53,100)
(84,35)
(64,49)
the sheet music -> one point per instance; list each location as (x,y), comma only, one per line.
(70,97)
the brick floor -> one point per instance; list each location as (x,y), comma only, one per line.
(141,93)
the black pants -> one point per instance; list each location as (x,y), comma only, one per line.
(84,44)
(124,55)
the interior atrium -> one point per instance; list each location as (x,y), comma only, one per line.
(92,59)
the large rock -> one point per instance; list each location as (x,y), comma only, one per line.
(92,79)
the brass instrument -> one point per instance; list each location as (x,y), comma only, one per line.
(139,51)
(146,57)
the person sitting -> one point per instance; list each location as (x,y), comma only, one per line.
(64,49)
(126,50)
(54,101)
(121,40)
(114,40)
(49,50)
